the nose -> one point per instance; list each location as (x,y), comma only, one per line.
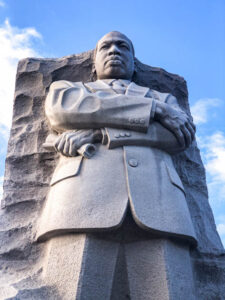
(114,49)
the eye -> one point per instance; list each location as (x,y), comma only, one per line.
(124,46)
(104,47)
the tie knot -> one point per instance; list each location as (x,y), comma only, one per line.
(118,83)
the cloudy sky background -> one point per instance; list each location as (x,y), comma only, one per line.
(183,37)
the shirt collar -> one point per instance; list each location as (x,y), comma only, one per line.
(109,81)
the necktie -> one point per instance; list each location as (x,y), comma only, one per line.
(118,86)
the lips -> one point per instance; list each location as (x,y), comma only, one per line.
(114,61)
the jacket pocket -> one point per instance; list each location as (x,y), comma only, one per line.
(174,178)
(67,167)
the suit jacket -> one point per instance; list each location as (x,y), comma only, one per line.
(134,168)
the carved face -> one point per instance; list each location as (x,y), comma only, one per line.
(114,57)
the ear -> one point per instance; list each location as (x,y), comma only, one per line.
(93,70)
(135,65)
(134,77)
(93,73)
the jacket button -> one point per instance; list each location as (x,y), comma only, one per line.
(116,135)
(122,134)
(127,134)
(133,162)
(142,121)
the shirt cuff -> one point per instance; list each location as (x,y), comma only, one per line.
(104,136)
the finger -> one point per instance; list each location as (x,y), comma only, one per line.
(73,147)
(192,131)
(180,137)
(56,143)
(70,136)
(192,125)
(187,135)
(66,147)
(61,143)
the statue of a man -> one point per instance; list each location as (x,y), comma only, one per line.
(127,201)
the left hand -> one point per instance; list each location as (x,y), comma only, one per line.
(177,121)
(70,141)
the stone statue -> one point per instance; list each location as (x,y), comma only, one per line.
(128,194)
(104,190)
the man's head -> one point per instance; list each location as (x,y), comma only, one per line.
(114,57)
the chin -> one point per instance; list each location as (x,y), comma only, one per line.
(116,73)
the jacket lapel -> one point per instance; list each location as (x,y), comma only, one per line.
(98,85)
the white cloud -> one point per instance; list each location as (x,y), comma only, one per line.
(2,3)
(15,44)
(4,132)
(200,110)
(213,155)
(212,146)
(221,229)
(1,187)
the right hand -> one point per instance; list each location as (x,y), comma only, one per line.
(70,141)
(177,121)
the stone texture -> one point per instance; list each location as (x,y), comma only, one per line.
(90,267)
(29,169)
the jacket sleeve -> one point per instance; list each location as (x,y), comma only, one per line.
(71,106)
(157,136)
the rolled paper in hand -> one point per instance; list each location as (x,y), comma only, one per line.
(49,146)
(87,150)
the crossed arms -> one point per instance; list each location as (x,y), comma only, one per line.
(78,116)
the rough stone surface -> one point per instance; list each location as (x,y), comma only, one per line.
(29,169)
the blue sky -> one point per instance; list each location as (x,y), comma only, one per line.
(183,37)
